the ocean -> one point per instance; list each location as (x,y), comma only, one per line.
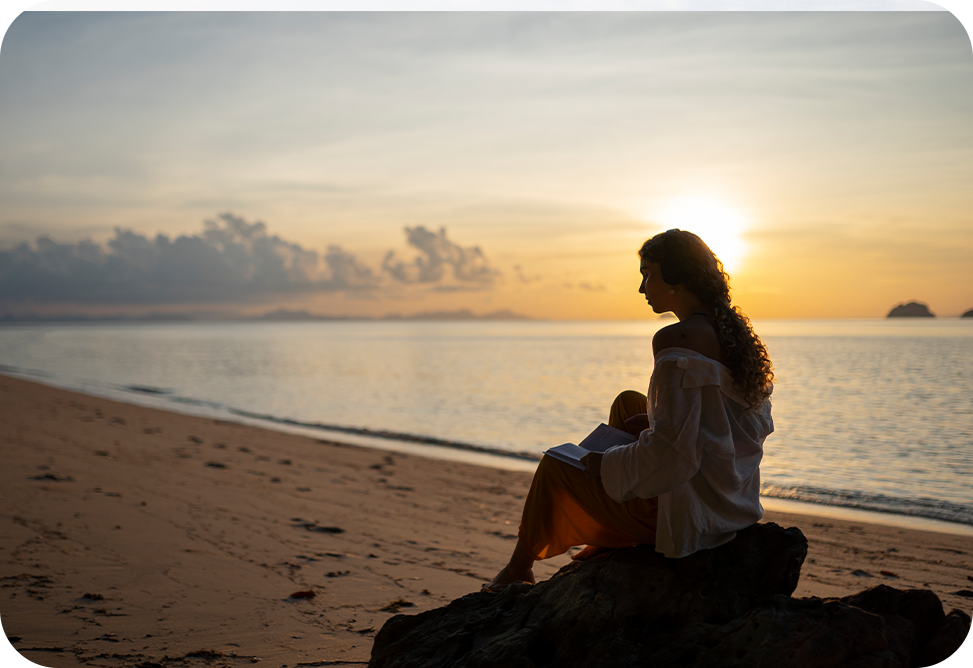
(870,414)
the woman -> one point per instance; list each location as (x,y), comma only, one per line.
(692,478)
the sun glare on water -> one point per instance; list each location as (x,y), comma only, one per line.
(719,225)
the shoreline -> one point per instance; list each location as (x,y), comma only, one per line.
(479,455)
(136,534)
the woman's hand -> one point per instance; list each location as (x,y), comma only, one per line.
(636,424)
(592,464)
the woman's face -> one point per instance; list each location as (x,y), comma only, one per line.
(653,287)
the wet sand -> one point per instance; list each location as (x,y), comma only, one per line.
(137,536)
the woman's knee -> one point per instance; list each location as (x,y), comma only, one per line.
(626,404)
(631,399)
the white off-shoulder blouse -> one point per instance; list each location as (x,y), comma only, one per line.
(700,455)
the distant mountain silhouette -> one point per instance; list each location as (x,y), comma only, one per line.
(80,317)
(462,314)
(280,315)
(968,314)
(284,315)
(911,310)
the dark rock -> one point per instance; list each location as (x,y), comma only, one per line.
(910,310)
(730,606)
(950,635)
(610,611)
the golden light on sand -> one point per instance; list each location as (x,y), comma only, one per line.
(716,223)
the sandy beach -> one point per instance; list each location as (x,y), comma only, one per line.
(134,536)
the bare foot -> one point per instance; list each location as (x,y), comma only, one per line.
(589,552)
(505,577)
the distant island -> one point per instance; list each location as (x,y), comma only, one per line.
(968,314)
(910,310)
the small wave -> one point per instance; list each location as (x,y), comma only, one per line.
(22,371)
(146,389)
(168,395)
(915,507)
(198,402)
(391,435)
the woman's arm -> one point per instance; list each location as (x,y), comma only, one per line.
(636,424)
(592,464)
(665,456)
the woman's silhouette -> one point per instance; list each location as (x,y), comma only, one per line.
(691,480)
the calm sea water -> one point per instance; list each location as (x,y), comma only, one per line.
(871,414)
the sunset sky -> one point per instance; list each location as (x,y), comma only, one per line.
(420,162)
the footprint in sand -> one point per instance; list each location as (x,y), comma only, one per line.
(315,527)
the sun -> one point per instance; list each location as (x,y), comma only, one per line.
(716,223)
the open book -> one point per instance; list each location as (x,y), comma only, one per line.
(602,438)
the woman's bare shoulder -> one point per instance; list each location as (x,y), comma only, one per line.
(693,334)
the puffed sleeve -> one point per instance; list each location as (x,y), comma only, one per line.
(666,454)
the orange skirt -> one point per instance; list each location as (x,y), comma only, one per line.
(564,508)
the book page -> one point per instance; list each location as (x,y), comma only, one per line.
(569,453)
(604,437)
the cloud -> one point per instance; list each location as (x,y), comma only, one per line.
(230,261)
(523,278)
(440,261)
(590,287)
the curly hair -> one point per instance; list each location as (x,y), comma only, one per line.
(684,258)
